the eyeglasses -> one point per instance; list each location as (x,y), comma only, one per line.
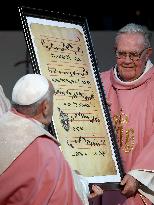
(134,56)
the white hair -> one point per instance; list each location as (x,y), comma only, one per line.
(136,28)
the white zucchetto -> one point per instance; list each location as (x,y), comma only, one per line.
(29,89)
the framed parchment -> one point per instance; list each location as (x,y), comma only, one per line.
(61,49)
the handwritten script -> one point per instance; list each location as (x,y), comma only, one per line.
(64,59)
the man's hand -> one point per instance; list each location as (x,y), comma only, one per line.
(108,103)
(130,185)
(96,191)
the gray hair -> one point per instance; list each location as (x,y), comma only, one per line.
(31,110)
(135,28)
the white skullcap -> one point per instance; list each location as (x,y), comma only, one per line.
(29,89)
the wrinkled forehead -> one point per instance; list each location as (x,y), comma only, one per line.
(137,37)
(133,41)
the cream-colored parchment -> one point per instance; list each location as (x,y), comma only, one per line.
(63,58)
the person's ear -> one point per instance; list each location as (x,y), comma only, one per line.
(149,52)
(45,108)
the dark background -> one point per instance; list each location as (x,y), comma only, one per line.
(101,15)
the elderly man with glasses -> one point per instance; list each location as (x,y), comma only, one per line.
(129,87)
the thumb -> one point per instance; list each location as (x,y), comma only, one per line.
(124,180)
(108,103)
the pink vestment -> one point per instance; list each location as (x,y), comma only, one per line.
(132,111)
(39,175)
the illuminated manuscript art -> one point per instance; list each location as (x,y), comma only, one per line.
(78,115)
(60,49)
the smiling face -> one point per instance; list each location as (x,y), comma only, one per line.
(130,45)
